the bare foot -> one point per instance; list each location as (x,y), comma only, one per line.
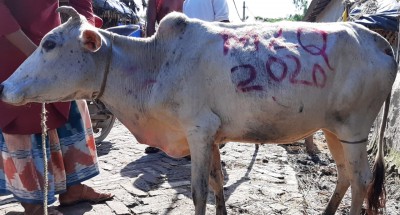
(82,193)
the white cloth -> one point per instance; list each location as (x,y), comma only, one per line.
(207,10)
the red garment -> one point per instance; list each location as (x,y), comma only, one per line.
(85,8)
(158,6)
(98,22)
(164,7)
(35,18)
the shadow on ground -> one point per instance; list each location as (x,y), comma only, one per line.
(158,171)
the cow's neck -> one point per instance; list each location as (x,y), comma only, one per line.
(133,71)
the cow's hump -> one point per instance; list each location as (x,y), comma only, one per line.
(172,25)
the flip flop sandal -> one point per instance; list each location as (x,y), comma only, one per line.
(101,197)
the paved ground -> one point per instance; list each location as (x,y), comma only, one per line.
(256,181)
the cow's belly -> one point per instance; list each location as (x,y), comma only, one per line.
(265,134)
(272,127)
(166,137)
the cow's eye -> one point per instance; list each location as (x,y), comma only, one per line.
(49,45)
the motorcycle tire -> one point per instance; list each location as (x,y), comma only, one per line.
(104,129)
(102,120)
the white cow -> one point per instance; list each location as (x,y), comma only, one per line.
(196,84)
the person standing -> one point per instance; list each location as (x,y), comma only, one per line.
(71,150)
(157,9)
(207,10)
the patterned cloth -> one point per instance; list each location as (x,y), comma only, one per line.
(71,153)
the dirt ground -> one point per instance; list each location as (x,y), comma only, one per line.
(267,180)
(316,176)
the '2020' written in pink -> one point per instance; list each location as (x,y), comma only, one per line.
(318,75)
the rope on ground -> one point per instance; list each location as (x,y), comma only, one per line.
(46,180)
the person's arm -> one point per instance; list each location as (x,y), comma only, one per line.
(22,42)
(11,30)
(151,15)
(221,10)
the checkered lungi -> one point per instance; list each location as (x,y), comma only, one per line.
(71,154)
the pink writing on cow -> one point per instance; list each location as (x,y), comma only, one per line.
(313,49)
(273,44)
(280,33)
(318,69)
(277,67)
(277,42)
(244,85)
(246,39)
(273,60)
(293,78)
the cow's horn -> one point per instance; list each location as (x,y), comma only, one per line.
(69,11)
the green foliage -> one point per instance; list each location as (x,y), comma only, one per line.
(300,5)
(262,19)
(295,17)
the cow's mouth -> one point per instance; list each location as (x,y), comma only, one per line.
(24,100)
(14,103)
(13,100)
(13,95)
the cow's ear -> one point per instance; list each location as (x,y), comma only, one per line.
(91,40)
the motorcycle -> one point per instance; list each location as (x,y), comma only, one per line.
(102,119)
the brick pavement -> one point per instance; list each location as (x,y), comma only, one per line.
(256,181)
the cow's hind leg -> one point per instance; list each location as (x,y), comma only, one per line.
(357,166)
(359,173)
(343,183)
(200,135)
(217,181)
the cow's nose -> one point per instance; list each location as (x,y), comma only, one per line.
(1,88)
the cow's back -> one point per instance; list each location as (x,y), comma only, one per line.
(281,81)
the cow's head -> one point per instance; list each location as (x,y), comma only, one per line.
(67,65)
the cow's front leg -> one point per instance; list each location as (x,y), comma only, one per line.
(201,139)
(217,181)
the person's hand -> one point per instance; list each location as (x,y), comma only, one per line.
(22,42)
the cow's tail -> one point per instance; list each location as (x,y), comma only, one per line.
(376,192)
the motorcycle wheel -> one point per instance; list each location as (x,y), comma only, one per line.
(103,129)
(102,120)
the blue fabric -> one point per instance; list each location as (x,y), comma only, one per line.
(385,17)
(115,6)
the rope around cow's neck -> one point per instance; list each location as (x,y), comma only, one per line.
(106,71)
(44,134)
